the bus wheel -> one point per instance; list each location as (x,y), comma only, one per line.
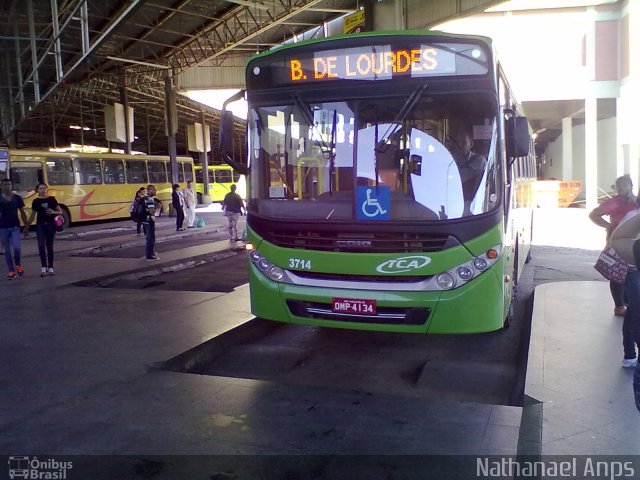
(199,198)
(67,217)
(507,320)
(514,286)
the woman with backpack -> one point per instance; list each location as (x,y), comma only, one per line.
(142,191)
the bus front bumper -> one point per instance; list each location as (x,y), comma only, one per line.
(475,307)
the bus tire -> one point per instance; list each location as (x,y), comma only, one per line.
(528,259)
(199,195)
(66,215)
(514,286)
(516,265)
(507,320)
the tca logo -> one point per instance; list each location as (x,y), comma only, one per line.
(403,264)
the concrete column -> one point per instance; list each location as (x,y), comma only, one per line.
(171,124)
(206,198)
(124,99)
(591,151)
(634,162)
(620,139)
(567,148)
(591,115)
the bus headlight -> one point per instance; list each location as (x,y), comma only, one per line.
(272,271)
(461,274)
(276,273)
(446,281)
(263,264)
(480,264)
(465,273)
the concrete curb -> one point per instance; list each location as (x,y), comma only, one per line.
(95,250)
(175,266)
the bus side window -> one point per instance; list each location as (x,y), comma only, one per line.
(25,178)
(113,171)
(59,171)
(180,172)
(223,176)
(136,171)
(188,172)
(157,172)
(88,171)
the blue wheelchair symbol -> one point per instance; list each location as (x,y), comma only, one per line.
(373,203)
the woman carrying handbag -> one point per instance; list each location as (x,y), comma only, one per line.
(47,209)
(616,208)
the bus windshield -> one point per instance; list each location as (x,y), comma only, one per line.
(434,155)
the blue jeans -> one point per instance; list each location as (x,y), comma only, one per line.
(150,232)
(631,323)
(11,237)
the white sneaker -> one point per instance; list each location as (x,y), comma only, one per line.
(629,362)
(43,272)
(51,272)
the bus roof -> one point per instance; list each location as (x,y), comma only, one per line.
(214,167)
(46,153)
(379,34)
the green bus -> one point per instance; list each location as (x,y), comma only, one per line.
(389,184)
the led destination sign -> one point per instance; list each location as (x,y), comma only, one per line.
(386,62)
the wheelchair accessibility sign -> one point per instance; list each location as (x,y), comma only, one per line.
(373,203)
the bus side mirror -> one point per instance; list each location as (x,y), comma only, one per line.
(226,132)
(517,137)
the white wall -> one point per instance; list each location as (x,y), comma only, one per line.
(541,52)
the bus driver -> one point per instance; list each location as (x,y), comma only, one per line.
(470,164)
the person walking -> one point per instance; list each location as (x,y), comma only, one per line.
(142,191)
(616,208)
(233,206)
(149,223)
(10,204)
(178,202)
(190,201)
(46,208)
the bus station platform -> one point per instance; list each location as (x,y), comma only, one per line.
(80,376)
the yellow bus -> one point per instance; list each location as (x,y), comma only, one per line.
(91,186)
(221,177)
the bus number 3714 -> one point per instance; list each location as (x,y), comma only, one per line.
(300,264)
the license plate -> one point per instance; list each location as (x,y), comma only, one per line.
(354,305)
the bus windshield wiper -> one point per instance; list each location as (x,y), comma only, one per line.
(406,109)
(332,154)
(326,150)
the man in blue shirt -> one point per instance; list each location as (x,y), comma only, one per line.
(10,204)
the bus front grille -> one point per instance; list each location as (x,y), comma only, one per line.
(384,315)
(359,242)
